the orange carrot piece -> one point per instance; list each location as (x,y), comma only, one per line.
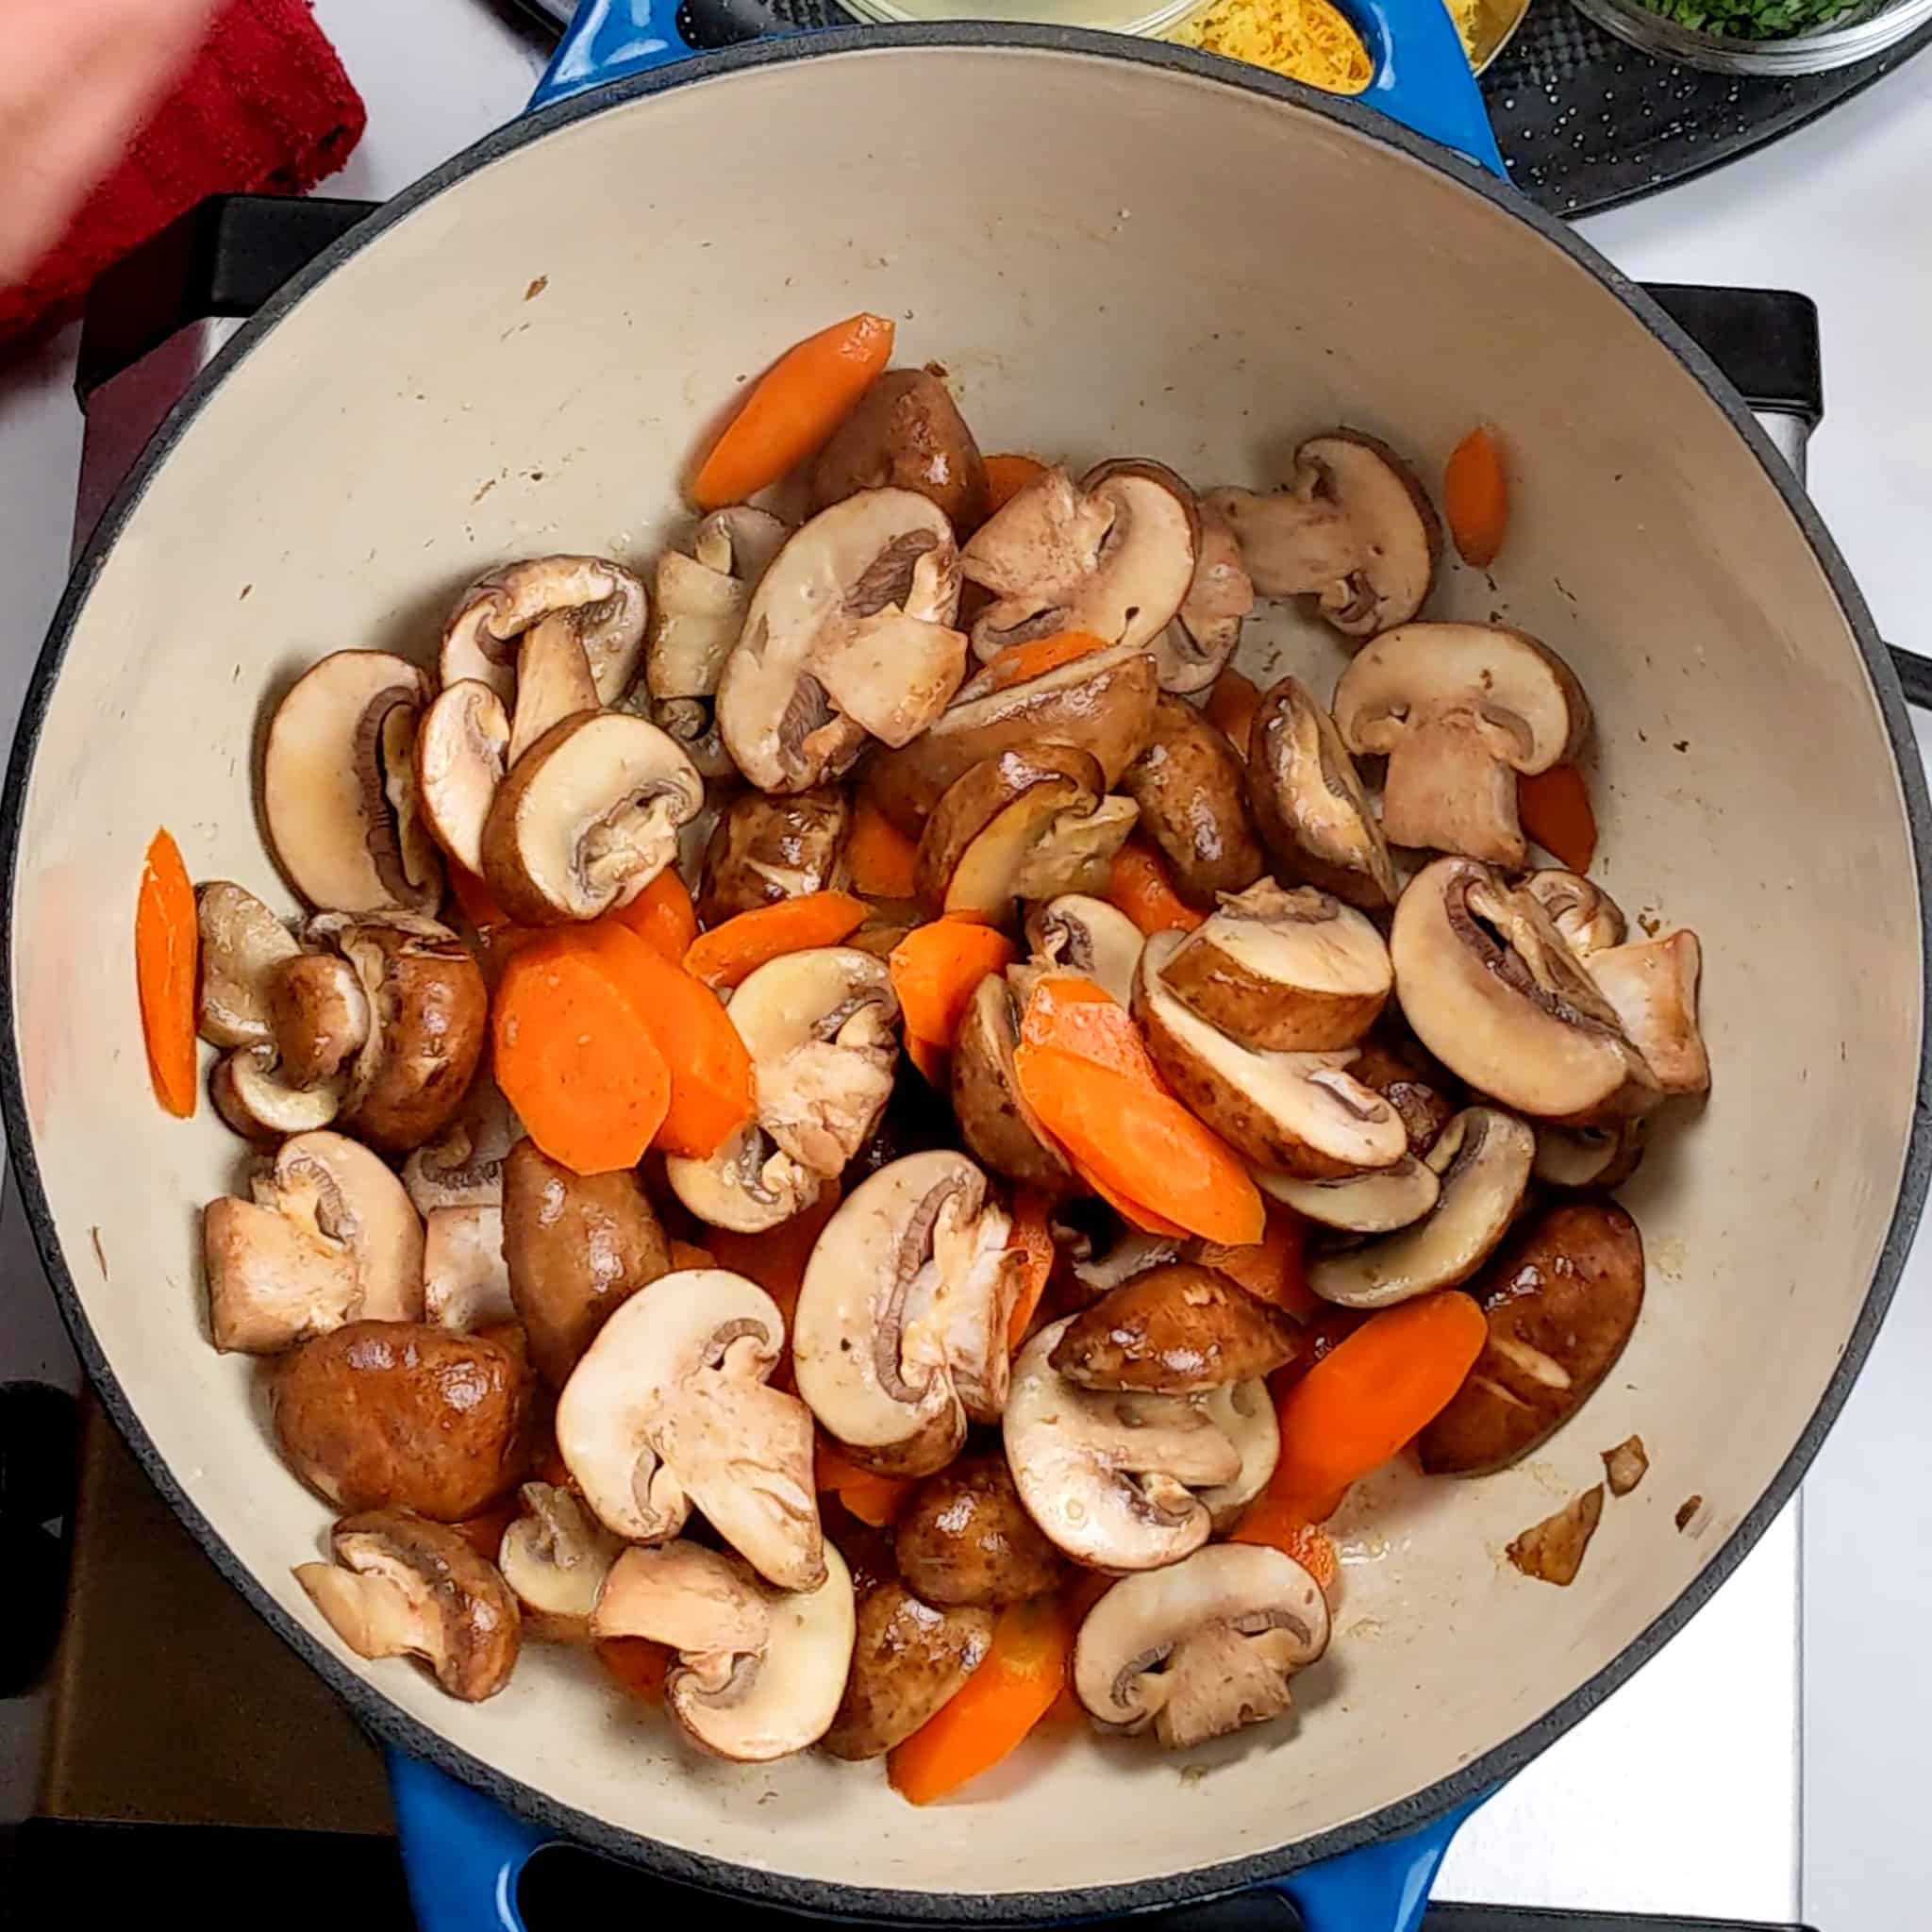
(1133,1212)
(1232,705)
(793,408)
(1076,1016)
(1273,1269)
(1022,663)
(167,951)
(575,1059)
(708,1064)
(689,1254)
(935,1062)
(484,1531)
(936,970)
(1274,1521)
(775,1260)
(1141,1143)
(734,948)
(1374,1391)
(878,855)
(874,1499)
(1032,1237)
(662,916)
(1138,883)
(992,1712)
(639,1666)
(1475,496)
(1555,810)
(1006,475)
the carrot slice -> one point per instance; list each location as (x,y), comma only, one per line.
(934,1061)
(1272,1270)
(1138,883)
(792,408)
(878,855)
(1021,663)
(1555,810)
(639,1666)
(936,970)
(1232,705)
(1374,1391)
(1076,1016)
(167,952)
(708,1064)
(992,1712)
(1141,1143)
(1033,1238)
(1475,496)
(734,949)
(689,1254)
(874,1499)
(1133,1212)
(662,916)
(575,1059)
(1275,1522)
(1006,475)
(775,1260)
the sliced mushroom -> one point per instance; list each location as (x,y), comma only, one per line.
(241,942)
(1101,702)
(1244,1413)
(1193,651)
(1301,1113)
(1131,1253)
(1353,528)
(463,1166)
(1023,825)
(1202,1649)
(556,1556)
(1410,1081)
(1376,1203)
(1193,796)
(1180,1329)
(575,1249)
(964,1537)
(1562,1299)
(253,1093)
(848,637)
(1586,915)
(670,1409)
(1653,988)
(908,1661)
(764,849)
(401,1586)
(1110,1478)
(1088,937)
(1112,556)
(1498,998)
(702,600)
(997,1123)
(906,433)
(1460,710)
(1309,803)
(901,1329)
(462,751)
(339,787)
(465,1280)
(329,1237)
(1483,1160)
(554,682)
(1283,971)
(748,1186)
(319,1015)
(1589,1157)
(587,818)
(599,603)
(758,1675)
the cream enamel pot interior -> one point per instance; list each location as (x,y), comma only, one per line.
(1111,250)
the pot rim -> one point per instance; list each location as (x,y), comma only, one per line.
(777,1888)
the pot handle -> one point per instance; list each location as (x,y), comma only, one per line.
(1382,1887)
(462,1853)
(611,40)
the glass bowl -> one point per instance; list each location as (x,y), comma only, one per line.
(1864,29)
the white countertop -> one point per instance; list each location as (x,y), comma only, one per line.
(1683,1793)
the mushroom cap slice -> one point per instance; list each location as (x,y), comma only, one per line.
(901,1328)
(588,817)
(600,603)
(997,1125)
(1483,1160)
(1460,709)
(702,600)
(339,791)
(1201,1649)
(1193,795)
(1131,1253)
(1498,998)
(1283,971)
(319,1014)
(765,849)
(847,636)
(404,1586)
(908,1660)
(906,432)
(748,1186)
(1178,1329)
(1101,702)
(1586,915)
(1090,937)
(1193,651)
(1111,1477)
(1353,528)
(1593,1158)
(556,1556)
(1378,1202)
(465,1281)
(964,1537)
(462,1167)
(1310,804)
(1303,1113)
(1653,988)
(241,942)
(253,1093)
(1244,1413)
(462,751)
(670,1409)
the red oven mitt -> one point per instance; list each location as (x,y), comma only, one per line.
(263,106)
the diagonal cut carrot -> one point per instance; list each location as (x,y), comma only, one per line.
(936,970)
(879,857)
(734,948)
(1556,812)
(1032,1236)
(662,915)
(167,953)
(1138,883)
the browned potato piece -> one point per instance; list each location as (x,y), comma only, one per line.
(964,1537)
(1192,795)
(1411,1083)
(907,1660)
(381,1415)
(906,433)
(1562,1297)
(1177,1330)
(764,849)
(577,1247)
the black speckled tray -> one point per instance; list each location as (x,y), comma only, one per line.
(1584,121)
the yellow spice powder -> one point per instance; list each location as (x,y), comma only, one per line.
(1307,40)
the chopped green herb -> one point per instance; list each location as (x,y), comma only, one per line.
(1751,19)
